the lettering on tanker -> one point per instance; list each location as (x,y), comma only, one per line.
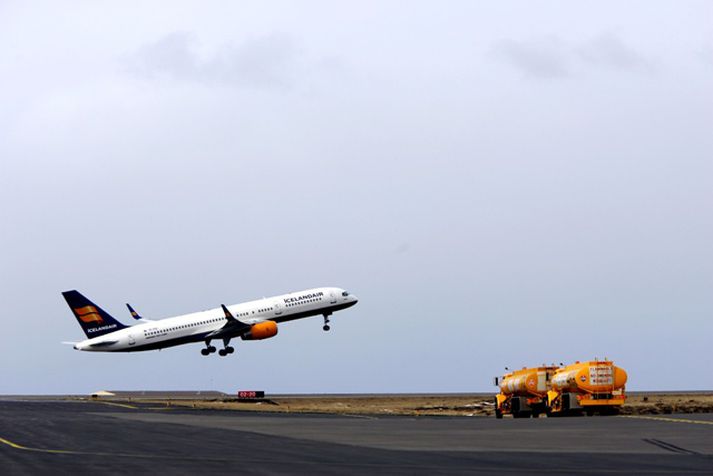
(601,375)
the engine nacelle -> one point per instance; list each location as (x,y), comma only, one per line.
(261,330)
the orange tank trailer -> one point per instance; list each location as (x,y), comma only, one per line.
(523,393)
(597,386)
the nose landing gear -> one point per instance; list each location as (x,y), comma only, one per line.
(326,327)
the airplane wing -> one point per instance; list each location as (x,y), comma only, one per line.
(232,327)
(136,315)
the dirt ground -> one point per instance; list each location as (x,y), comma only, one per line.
(663,403)
(447,405)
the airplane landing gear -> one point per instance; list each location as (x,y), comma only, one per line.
(325,328)
(209,349)
(227,349)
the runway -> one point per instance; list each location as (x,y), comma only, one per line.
(42,437)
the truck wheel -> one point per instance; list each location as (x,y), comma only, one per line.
(515,406)
(565,402)
(498,411)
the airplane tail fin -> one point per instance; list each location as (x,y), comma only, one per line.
(133,313)
(93,319)
(136,315)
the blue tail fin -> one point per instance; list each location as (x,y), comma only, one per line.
(93,319)
(133,313)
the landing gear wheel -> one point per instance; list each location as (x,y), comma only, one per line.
(230,349)
(211,349)
(222,352)
(326,327)
(204,352)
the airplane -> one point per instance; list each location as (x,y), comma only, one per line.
(254,320)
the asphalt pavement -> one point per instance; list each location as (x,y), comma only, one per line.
(43,437)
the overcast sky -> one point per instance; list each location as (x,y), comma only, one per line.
(501,184)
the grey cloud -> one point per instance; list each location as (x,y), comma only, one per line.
(706,55)
(551,58)
(263,62)
(541,58)
(609,51)
(169,56)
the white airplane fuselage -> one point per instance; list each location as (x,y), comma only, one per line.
(199,326)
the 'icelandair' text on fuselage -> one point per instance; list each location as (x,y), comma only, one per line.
(301,298)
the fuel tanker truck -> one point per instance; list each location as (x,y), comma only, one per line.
(587,387)
(523,393)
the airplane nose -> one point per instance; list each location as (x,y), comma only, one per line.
(355,299)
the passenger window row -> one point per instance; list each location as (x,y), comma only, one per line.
(304,302)
(184,326)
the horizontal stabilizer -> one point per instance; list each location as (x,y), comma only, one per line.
(104,343)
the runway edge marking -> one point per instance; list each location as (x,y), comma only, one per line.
(98,453)
(675,420)
(122,405)
(20,447)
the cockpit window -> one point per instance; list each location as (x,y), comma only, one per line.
(345,293)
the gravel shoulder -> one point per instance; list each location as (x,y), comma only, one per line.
(640,403)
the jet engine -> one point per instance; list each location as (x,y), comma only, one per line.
(262,330)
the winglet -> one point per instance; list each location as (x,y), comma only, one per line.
(134,314)
(228,315)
